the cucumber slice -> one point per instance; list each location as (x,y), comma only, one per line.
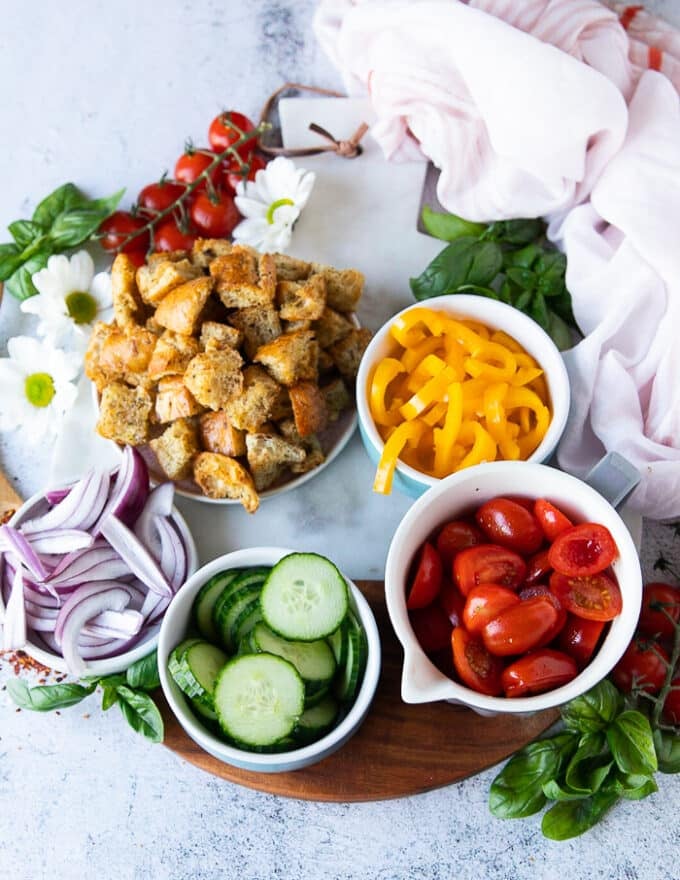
(245,622)
(230,611)
(313,660)
(195,671)
(258,699)
(204,710)
(315,692)
(338,642)
(314,722)
(244,578)
(206,599)
(349,676)
(304,598)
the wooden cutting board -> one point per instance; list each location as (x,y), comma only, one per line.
(399,750)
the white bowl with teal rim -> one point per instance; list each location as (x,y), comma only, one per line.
(497,316)
(176,625)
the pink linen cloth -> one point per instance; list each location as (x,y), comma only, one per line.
(548,108)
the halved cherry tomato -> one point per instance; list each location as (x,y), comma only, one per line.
(530,592)
(643,665)
(431,627)
(485,602)
(191,165)
(488,564)
(223,132)
(583,550)
(476,668)
(509,524)
(521,627)
(526,503)
(455,536)
(538,671)
(427,581)
(452,602)
(214,215)
(119,227)
(551,519)
(168,237)
(538,567)
(656,599)
(671,706)
(235,174)
(595,597)
(156,197)
(579,638)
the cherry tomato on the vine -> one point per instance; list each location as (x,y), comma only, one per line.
(214,215)
(595,597)
(551,519)
(476,667)
(583,550)
(537,672)
(226,129)
(660,609)
(169,237)
(671,706)
(156,197)
(455,536)
(191,165)
(579,638)
(118,228)
(643,665)
(484,603)
(235,173)
(488,564)
(510,525)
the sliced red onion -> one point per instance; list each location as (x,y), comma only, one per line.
(173,558)
(60,541)
(108,648)
(114,624)
(64,514)
(13,541)
(130,490)
(54,496)
(14,624)
(97,563)
(130,548)
(77,611)
(159,503)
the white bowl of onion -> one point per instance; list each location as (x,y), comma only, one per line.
(88,570)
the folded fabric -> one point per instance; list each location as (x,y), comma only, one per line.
(523,107)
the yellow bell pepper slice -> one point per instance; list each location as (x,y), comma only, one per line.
(431,392)
(496,421)
(483,448)
(435,415)
(503,338)
(526,375)
(446,437)
(406,330)
(413,356)
(430,366)
(387,370)
(407,432)
(492,361)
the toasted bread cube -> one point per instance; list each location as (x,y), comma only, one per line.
(256,401)
(309,408)
(205,250)
(292,326)
(302,301)
(269,455)
(291,269)
(258,326)
(176,448)
(326,362)
(266,268)
(348,352)
(128,307)
(154,327)
(161,275)
(124,414)
(166,256)
(314,453)
(214,377)
(282,408)
(291,358)
(343,287)
(220,476)
(93,369)
(181,309)
(337,398)
(174,400)
(237,280)
(215,335)
(331,327)
(125,354)
(218,434)
(172,354)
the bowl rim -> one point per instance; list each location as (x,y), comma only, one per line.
(263,761)
(498,315)
(106,665)
(445,688)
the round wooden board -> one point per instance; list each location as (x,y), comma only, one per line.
(399,750)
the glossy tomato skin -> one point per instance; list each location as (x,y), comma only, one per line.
(538,671)
(235,174)
(169,237)
(451,600)
(657,598)
(431,627)
(509,524)
(118,227)
(596,597)
(223,132)
(485,602)
(427,580)
(579,638)
(157,197)
(521,627)
(190,166)
(583,550)
(671,706)
(551,519)
(643,665)
(538,568)
(488,564)
(214,216)
(475,666)
(455,536)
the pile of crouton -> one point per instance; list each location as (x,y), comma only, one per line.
(227,363)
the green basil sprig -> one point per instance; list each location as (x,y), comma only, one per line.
(63,220)
(128,690)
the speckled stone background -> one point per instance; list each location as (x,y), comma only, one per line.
(98,93)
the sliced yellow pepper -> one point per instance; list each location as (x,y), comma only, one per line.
(526,375)
(408,432)
(406,331)
(413,356)
(483,448)
(446,437)
(435,415)
(430,366)
(387,370)
(493,361)
(497,423)
(431,392)
(503,339)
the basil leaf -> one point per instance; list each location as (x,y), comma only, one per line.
(667,747)
(111,680)
(590,764)
(593,710)
(20,284)
(523,300)
(517,791)
(141,713)
(635,787)
(73,227)
(559,332)
(515,232)
(551,265)
(109,697)
(64,198)
(448,226)
(144,673)
(524,278)
(539,311)
(44,698)
(631,741)
(11,259)
(571,818)
(24,232)
(562,306)
(524,257)
(478,290)
(555,792)
(465,261)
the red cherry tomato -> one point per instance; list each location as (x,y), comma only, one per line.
(551,519)
(579,638)
(484,603)
(656,599)
(156,197)
(427,580)
(583,550)
(214,215)
(138,258)
(595,597)
(118,227)
(169,237)
(488,564)
(190,166)
(452,602)
(538,567)
(671,706)
(526,503)
(510,525)
(431,627)
(530,592)
(476,668)
(456,536)
(223,133)
(537,672)
(522,627)
(643,665)
(235,174)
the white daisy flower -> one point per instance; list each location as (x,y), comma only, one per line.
(71,298)
(36,387)
(271,204)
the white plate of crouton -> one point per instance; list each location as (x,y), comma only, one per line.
(232,371)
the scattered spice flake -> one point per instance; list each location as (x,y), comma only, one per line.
(6,516)
(20,661)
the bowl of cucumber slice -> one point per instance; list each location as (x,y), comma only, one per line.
(269,658)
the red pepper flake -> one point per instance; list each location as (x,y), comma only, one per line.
(20,662)
(628,15)
(654,58)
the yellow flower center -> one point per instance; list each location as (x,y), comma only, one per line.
(279,203)
(39,389)
(81,307)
